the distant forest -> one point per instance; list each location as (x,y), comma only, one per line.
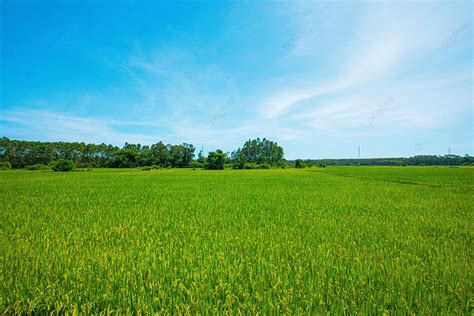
(421,160)
(254,154)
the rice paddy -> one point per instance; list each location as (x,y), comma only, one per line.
(338,240)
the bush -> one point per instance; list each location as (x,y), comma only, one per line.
(216,160)
(5,165)
(299,163)
(321,165)
(82,169)
(63,165)
(152,167)
(238,164)
(285,165)
(250,165)
(265,166)
(197,164)
(37,166)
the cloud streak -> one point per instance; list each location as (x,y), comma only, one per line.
(321,90)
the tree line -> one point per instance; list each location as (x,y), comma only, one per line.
(420,160)
(254,154)
(257,153)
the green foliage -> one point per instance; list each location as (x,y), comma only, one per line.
(424,160)
(250,165)
(258,151)
(239,161)
(81,169)
(125,158)
(153,167)
(63,165)
(285,164)
(299,163)
(340,240)
(182,155)
(201,159)
(37,167)
(25,153)
(265,166)
(216,160)
(5,165)
(197,164)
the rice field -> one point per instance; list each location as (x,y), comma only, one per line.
(334,240)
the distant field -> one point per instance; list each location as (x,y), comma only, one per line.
(347,239)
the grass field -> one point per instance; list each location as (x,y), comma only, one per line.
(348,239)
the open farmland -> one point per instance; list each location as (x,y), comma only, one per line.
(347,239)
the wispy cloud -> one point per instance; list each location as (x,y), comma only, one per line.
(306,74)
(38,123)
(388,43)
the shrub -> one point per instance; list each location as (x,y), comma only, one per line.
(216,160)
(37,166)
(250,165)
(285,165)
(321,165)
(5,165)
(63,165)
(197,164)
(265,166)
(238,164)
(82,169)
(146,168)
(299,163)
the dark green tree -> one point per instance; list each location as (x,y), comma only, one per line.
(216,160)
(63,165)
(258,151)
(299,163)
(182,155)
(200,157)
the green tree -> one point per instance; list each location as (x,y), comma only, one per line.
(200,157)
(182,155)
(258,151)
(299,163)
(216,160)
(125,158)
(63,165)
(161,154)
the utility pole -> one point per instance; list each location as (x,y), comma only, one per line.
(358,154)
(449,151)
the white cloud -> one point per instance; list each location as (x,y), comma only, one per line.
(45,125)
(389,43)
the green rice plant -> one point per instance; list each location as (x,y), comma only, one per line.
(369,240)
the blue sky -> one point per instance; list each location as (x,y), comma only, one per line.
(320,78)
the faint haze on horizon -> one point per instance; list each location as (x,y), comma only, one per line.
(320,78)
